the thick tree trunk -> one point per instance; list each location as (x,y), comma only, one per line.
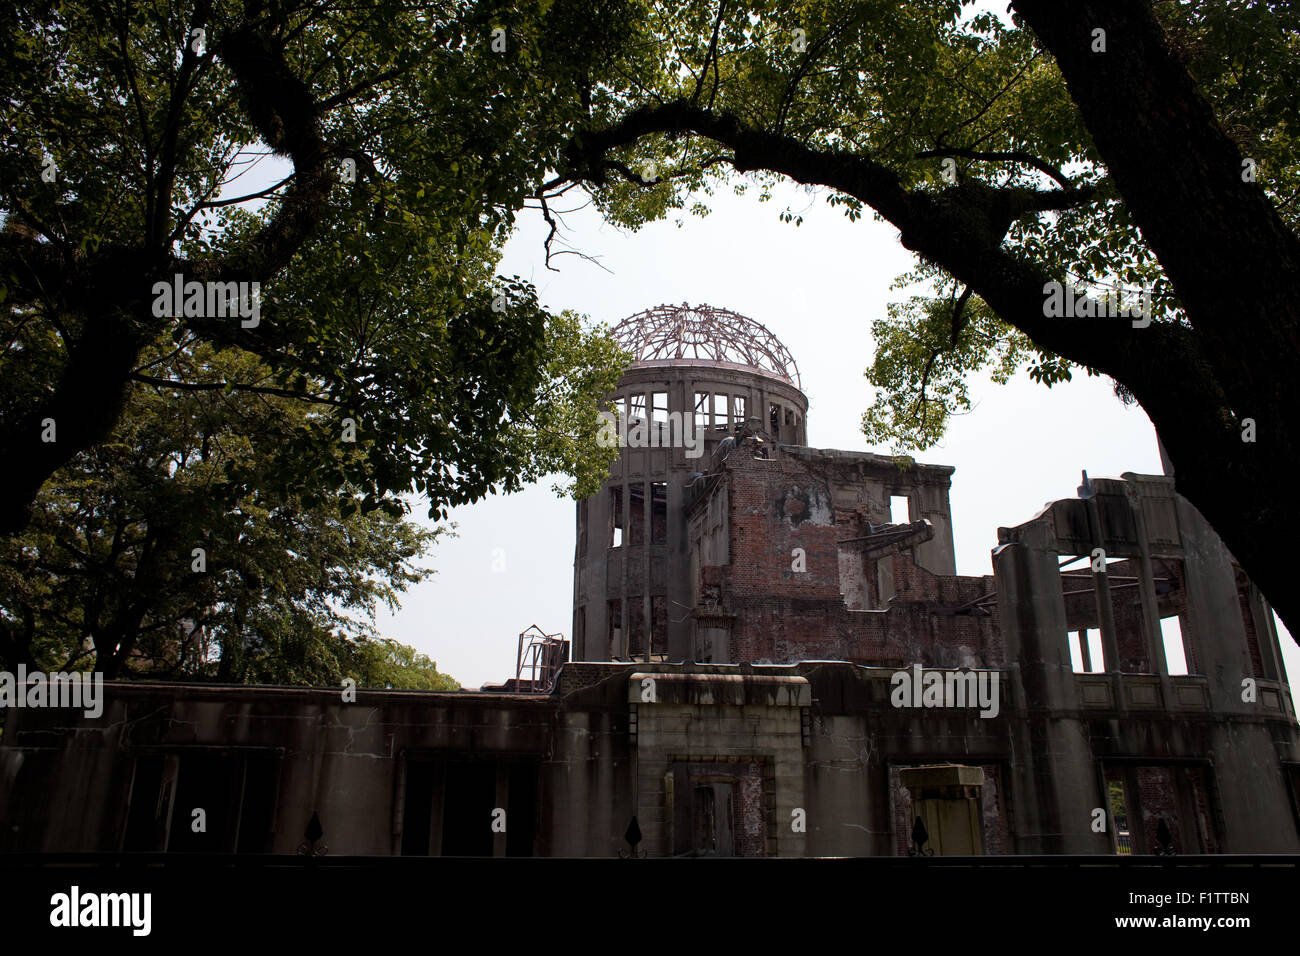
(1231,258)
(85,404)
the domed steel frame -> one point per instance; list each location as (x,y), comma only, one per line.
(669,332)
(702,379)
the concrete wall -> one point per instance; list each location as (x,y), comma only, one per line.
(806,756)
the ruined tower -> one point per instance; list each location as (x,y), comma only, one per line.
(700,375)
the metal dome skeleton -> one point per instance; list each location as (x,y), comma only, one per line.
(703,332)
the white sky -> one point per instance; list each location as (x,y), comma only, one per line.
(817,287)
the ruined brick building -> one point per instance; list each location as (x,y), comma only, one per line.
(751,616)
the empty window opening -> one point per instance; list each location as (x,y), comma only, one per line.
(701,410)
(900,509)
(616,517)
(236,793)
(658,512)
(257,804)
(1079,593)
(720,404)
(1171,602)
(1119,815)
(417,808)
(620,408)
(1124,581)
(722,809)
(774,420)
(1175,653)
(738,409)
(210,781)
(636,514)
(467,805)
(635,408)
(449,807)
(659,407)
(789,416)
(1078,652)
(146,823)
(522,808)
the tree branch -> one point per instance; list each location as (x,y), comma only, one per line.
(234,387)
(1001,157)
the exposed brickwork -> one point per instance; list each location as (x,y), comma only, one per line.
(1252,638)
(783,595)
(1156,795)
(751,826)
(576,675)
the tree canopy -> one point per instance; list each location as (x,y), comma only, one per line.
(411,136)
(213,483)
(1129,149)
(166,553)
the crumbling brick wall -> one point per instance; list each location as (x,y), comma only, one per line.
(751,825)
(785,593)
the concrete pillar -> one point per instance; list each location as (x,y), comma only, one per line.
(1101,585)
(1152,635)
(1052,781)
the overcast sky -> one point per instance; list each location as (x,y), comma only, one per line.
(817,287)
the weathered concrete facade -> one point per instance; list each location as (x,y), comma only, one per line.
(739,760)
(1115,678)
(797,757)
(632,576)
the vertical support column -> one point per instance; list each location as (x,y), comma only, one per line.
(1105,610)
(1050,782)
(644,551)
(625,612)
(1188,828)
(1085,652)
(1152,635)
(1137,831)
(677,560)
